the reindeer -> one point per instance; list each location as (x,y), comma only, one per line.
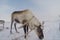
(28,20)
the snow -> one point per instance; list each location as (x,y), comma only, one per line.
(51,32)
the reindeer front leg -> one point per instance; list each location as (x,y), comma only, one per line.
(25,27)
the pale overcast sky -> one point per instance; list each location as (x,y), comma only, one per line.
(42,9)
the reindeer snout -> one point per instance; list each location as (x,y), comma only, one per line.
(41,37)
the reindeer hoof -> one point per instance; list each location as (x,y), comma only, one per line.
(11,33)
(25,36)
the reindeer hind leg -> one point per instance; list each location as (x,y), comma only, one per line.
(15,28)
(11,27)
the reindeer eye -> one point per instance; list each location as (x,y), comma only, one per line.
(39,25)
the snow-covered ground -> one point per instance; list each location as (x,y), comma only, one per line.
(51,32)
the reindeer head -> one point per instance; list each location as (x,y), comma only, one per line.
(40,32)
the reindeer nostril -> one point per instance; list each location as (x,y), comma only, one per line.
(41,37)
